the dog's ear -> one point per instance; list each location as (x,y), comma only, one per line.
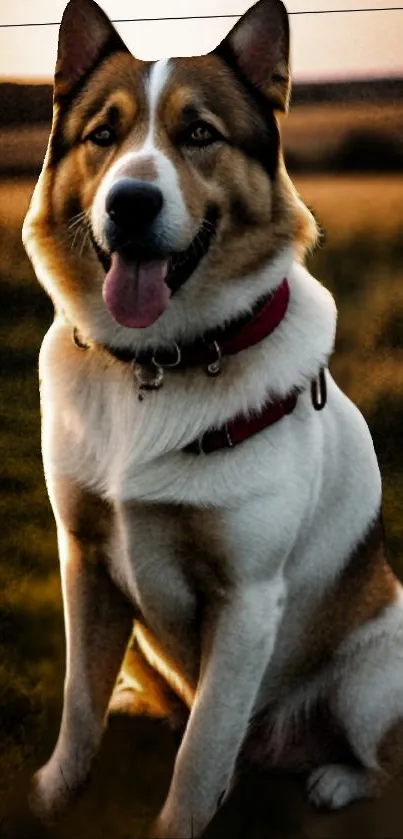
(259,44)
(85,36)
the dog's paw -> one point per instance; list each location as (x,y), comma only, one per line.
(172,823)
(161,829)
(334,786)
(51,791)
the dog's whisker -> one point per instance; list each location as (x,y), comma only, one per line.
(78,231)
(85,241)
(76,220)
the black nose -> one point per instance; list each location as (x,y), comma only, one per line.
(131,201)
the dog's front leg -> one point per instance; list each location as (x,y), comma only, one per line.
(237,646)
(98,623)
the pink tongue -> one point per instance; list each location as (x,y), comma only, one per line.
(136,294)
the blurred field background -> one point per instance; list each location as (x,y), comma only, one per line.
(346,158)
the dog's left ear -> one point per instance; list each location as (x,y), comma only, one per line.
(260,44)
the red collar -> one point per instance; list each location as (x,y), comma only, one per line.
(262,324)
(240,335)
(241,428)
(208,352)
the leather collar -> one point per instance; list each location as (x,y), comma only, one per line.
(242,427)
(208,352)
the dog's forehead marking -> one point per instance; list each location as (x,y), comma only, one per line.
(149,162)
(157,82)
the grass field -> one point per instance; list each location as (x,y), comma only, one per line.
(362,263)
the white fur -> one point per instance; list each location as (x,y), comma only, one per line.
(174,224)
(158,80)
(335,785)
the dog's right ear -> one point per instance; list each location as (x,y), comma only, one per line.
(86,35)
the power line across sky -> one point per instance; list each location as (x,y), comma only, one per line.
(213,17)
(327,39)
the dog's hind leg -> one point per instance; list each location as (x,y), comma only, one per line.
(367,700)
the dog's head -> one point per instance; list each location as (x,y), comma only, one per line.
(163,193)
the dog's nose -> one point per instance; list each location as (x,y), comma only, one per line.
(131,201)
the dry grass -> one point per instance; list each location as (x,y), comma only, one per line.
(367,206)
(15,195)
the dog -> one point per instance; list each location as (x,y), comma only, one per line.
(211,484)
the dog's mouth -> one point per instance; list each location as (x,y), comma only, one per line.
(183,264)
(137,288)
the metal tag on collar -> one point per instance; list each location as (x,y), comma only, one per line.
(214,368)
(148,378)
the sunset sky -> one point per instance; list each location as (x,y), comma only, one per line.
(367,43)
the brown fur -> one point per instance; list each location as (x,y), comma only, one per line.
(144,170)
(194,537)
(390,750)
(87,517)
(363,589)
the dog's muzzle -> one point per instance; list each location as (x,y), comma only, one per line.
(142,272)
(133,208)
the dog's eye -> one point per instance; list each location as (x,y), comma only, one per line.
(201,134)
(102,136)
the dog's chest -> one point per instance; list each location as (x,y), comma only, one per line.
(177,569)
(96,429)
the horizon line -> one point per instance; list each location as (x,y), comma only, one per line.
(309,79)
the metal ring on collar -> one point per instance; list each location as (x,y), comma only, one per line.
(167,365)
(214,368)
